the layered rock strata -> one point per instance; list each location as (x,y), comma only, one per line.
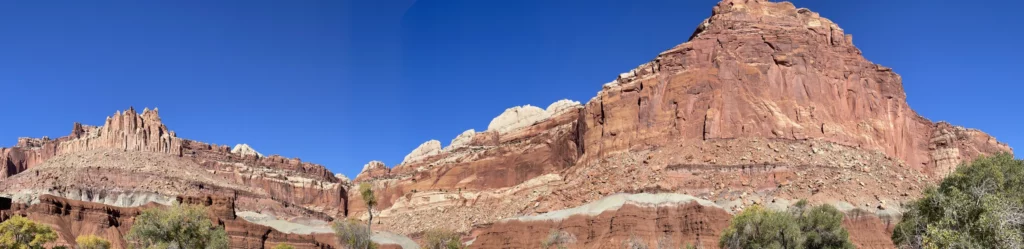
(766,103)
(134,158)
(757,69)
(656,221)
(72,218)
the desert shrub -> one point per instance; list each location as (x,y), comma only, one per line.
(21,233)
(980,205)
(757,227)
(283,246)
(92,242)
(822,227)
(665,242)
(176,226)
(441,239)
(801,227)
(558,239)
(353,234)
(634,243)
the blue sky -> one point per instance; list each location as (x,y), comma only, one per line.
(344,82)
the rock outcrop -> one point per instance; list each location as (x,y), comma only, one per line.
(516,117)
(522,116)
(128,131)
(245,150)
(461,140)
(428,148)
(134,159)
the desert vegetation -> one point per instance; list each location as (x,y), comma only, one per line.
(802,227)
(558,239)
(980,205)
(21,233)
(283,246)
(353,234)
(441,239)
(176,226)
(92,242)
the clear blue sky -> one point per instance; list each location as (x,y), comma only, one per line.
(342,83)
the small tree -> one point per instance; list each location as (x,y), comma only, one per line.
(283,246)
(980,205)
(822,227)
(178,226)
(818,227)
(757,227)
(92,242)
(441,239)
(21,233)
(352,234)
(371,201)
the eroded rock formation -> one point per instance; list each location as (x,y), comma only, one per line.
(73,218)
(757,69)
(245,150)
(766,103)
(134,159)
(656,226)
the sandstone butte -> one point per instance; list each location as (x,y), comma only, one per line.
(765,104)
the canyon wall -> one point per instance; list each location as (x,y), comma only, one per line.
(71,218)
(766,103)
(287,180)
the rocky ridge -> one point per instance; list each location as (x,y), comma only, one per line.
(134,160)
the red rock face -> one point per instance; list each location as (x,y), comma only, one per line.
(549,146)
(287,180)
(765,101)
(690,223)
(757,69)
(72,218)
(657,227)
(135,156)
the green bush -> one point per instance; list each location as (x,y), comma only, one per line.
(352,234)
(980,205)
(283,246)
(822,227)
(176,226)
(814,228)
(92,242)
(21,233)
(441,239)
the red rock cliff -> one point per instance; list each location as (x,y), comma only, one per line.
(765,101)
(769,70)
(130,144)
